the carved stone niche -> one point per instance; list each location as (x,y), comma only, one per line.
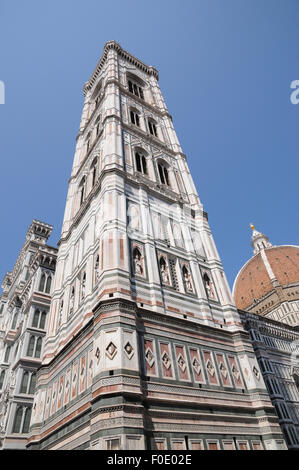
(138,259)
(187,278)
(209,284)
(164,269)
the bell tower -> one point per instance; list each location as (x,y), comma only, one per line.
(145,348)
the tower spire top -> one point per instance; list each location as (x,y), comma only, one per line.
(259,241)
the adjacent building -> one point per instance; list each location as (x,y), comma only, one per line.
(145,348)
(24,307)
(267,287)
(276,346)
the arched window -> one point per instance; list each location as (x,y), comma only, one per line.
(42,322)
(7,354)
(26,423)
(141,163)
(88,138)
(38,348)
(72,299)
(98,124)
(82,190)
(2,375)
(42,283)
(163,173)
(93,170)
(31,346)
(35,319)
(97,100)
(24,383)
(32,384)
(135,89)
(48,285)
(39,319)
(134,116)
(16,350)
(14,322)
(152,127)
(18,420)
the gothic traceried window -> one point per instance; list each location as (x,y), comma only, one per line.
(36,318)
(136,89)
(34,347)
(39,319)
(2,376)
(14,322)
(141,165)
(22,420)
(18,420)
(94,175)
(134,117)
(163,174)
(82,190)
(42,321)
(45,283)
(38,348)
(7,354)
(152,127)
(98,124)
(42,283)
(24,383)
(88,139)
(32,384)
(26,422)
(48,285)
(31,346)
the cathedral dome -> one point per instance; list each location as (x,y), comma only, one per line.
(271,266)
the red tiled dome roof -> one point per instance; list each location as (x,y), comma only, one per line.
(253,281)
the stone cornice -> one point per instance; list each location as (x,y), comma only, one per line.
(126,55)
(268,326)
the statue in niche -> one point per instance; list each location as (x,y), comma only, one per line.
(164,271)
(187,279)
(60,314)
(83,285)
(72,299)
(97,269)
(137,258)
(209,287)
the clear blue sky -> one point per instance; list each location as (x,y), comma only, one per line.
(225,71)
